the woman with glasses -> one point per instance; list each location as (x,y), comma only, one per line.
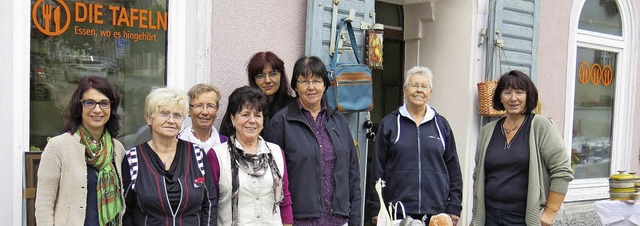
(252,175)
(78,177)
(265,70)
(168,181)
(416,156)
(320,155)
(204,100)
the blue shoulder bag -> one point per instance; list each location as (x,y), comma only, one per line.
(351,87)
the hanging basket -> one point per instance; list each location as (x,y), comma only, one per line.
(485,99)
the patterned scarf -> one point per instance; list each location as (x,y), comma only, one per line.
(255,166)
(99,155)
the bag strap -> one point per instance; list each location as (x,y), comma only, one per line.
(352,38)
(393,207)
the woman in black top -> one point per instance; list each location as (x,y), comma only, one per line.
(265,70)
(169,180)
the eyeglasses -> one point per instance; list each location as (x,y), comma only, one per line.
(307,83)
(419,86)
(201,107)
(272,75)
(165,115)
(92,104)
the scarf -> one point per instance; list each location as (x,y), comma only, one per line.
(255,166)
(99,155)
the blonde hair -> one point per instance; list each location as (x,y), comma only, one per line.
(201,88)
(163,96)
(424,71)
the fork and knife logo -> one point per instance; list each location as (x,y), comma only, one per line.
(48,12)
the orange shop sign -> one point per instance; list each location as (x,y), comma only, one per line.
(595,73)
(59,15)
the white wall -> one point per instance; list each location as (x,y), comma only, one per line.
(446,42)
(14,18)
(242,28)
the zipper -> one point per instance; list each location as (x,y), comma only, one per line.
(419,172)
(353,83)
(173,214)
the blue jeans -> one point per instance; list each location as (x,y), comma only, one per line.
(497,217)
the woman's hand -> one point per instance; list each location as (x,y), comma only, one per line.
(454,219)
(547,217)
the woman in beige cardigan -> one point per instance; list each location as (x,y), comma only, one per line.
(78,180)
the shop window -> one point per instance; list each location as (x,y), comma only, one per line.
(124,41)
(599,106)
(593,113)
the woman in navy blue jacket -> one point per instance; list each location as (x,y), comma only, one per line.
(416,155)
(322,162)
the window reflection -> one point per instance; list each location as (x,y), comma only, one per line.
(593,110)
(123,41)
(601,16)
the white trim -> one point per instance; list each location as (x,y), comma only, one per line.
(176,44)
(203,42)
(21,42)
(622,132)
(189,43)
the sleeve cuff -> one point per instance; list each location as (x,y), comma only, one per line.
(454,209)
(559,185)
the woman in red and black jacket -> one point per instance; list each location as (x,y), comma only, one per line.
(168,181)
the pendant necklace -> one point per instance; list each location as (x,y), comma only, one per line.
(507,131)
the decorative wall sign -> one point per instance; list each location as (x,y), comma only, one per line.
(373,49)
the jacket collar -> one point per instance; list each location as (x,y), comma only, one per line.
(294,111)
(429,115)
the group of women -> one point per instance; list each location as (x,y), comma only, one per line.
(284,160)
(197,175)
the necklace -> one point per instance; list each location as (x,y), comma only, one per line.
(507,130)
(515,128)
(157,150)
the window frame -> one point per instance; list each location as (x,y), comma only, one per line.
(621,144)
(179,61)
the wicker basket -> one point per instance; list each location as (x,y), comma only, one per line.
(485,102)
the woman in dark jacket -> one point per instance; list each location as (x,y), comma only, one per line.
(168,181)
(320,154)
(416,155)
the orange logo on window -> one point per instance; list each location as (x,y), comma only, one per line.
(607,75)
(595,73)
(45,15)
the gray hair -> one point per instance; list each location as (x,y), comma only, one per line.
(164,96)
(423,71)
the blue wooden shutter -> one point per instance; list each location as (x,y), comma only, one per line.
(319,13)
(517,23)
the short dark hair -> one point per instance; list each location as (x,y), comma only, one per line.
(309,66)
(73,115)
(243,97)
(516,80)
